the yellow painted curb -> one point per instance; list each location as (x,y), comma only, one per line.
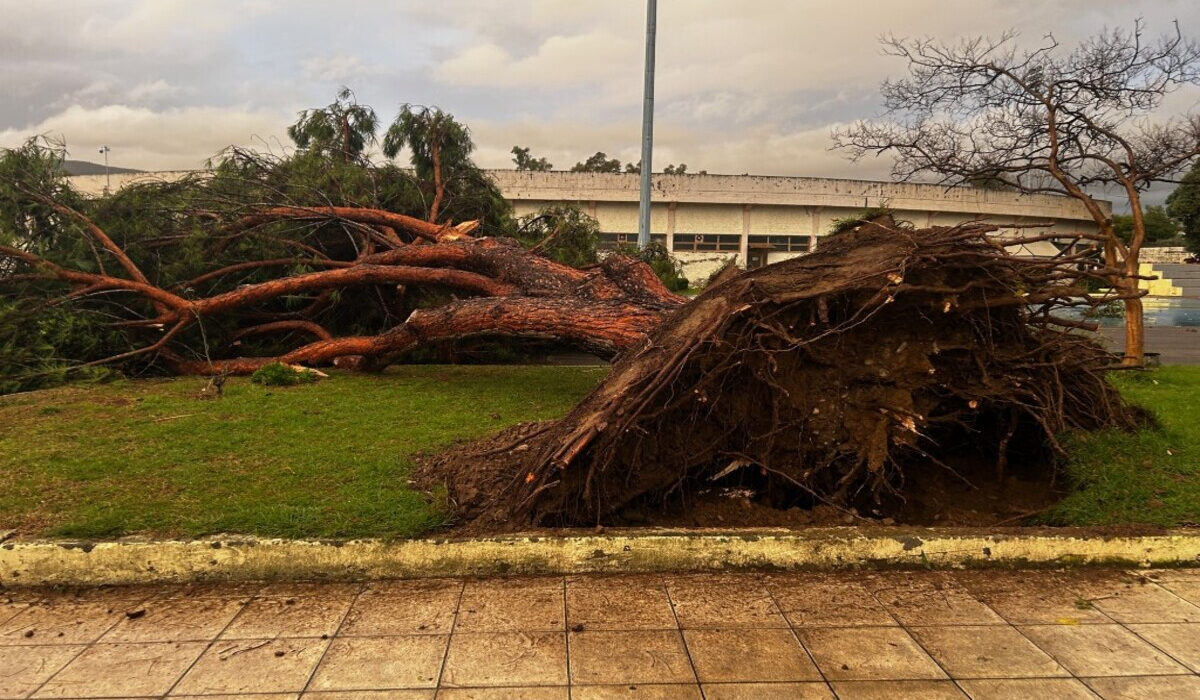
(230,559)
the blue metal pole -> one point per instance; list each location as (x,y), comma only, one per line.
(647,127)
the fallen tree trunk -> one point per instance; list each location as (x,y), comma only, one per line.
(499,289)
(833,376)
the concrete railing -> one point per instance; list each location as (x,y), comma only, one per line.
(561,186)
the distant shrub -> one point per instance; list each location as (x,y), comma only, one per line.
(279,374)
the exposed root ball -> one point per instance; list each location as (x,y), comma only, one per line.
(834,376)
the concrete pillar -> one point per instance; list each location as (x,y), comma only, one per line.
(815,213)
(592,209)
(744,245)
(670,226)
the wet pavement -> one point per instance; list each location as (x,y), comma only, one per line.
(972,634)
(1175,345)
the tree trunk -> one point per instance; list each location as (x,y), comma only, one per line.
(1135,331)
(1135,340)
(439,187)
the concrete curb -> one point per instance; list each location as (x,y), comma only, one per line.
(242,559)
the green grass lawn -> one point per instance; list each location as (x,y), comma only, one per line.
(1151,477)
(322,460)
(331,459)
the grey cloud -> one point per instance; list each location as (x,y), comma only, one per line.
(742,86)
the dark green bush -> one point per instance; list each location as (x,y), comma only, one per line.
(38,348)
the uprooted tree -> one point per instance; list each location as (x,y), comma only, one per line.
(1082,123)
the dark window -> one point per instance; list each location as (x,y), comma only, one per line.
(707,242)
(612,241)
(785,243)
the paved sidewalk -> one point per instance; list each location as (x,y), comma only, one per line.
(976,634)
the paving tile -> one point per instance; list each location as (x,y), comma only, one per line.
(78,594)
(512,605)
(1100,650)
(412,661)
(932,599)
(1192,574)
(407,694)
(210,589)
(300,589)
(1027,689)
(123,670)
(11,608)
(1146,687)
(1031,597)
(986,652)
(23,669)
(610,603)
(633,657)
(1188,590)
(897,690)
(723,602)
(506,659)
(530,693)
(253,665)
(869,653)
(827,602)
(306,616)
(749,655)
(404,607)
(1128,596)
(1147,603)
(238,696)
(60,622)
(1180,640)
(767,691)
(174,620)
(677,691)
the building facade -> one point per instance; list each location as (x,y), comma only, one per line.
(706,220)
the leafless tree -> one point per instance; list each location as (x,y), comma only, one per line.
(1044,120)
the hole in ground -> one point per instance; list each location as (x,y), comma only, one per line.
(966,491)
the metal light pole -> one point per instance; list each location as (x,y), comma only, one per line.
(647,127)
(107,181)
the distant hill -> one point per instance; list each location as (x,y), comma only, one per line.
(83,167)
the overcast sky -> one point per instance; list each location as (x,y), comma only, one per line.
(743,85)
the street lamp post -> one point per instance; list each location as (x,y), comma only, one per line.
(107,180)
(647,127)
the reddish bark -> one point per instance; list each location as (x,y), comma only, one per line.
(371,217)
(510,291)
(439,188)
(601,327)
(277,326)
